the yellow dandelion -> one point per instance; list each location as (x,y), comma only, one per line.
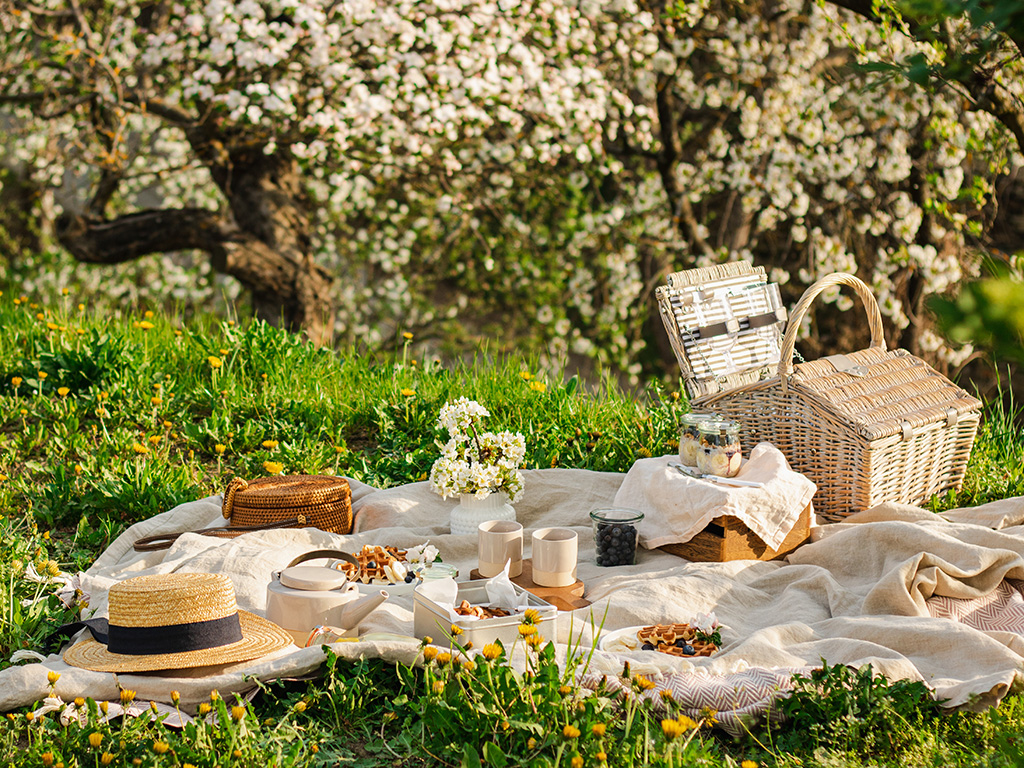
(30,716)
(175,698)
(408,393)
(16,381)
(40,316)
(224,351)
(468,665)
(161,747)
(4,478)
(429,653)
(47,758)
(204,708)
(214,695)
(219,448)
(531,743)
(263,376)
(63,391)
(156,400)
(167,424)
(52,677)
(127,696)
(237,712)
(444,657)
(644,453)
(78,469)
(42,375)
(46,535)
(407,335)
(749,764)
(81,307)
(642,683)
(95,738)
(215,362)
(104,706)
(531,616)
(600,757)
(237,754)
(672,728)
(146,325)
(154,439)
(79,701)
(456,630)
(273,467)
(438,687)
(666,694)
(538,386)
(687,723)
(491,651)
(525,375)
(177,332)
(154,708)
(527,629)
(598,729)
(571,732)
(576,762)
(52,326)
(535,641)
(565,690)
(139,448)
(148,314)
(104,394)
(300,706)
(106,758)
(270,444)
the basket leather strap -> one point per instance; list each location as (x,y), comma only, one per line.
(164,540)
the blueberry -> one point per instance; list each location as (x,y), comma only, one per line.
(409,577)
(680,643)
(646,647)
(688,650)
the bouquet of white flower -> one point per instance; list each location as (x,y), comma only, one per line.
(476,462)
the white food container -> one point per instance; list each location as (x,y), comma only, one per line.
(431,620)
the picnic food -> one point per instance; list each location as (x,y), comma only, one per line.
(719,452)
(615,535)
(673,639)
(481,612)
(689,436)
(378,565)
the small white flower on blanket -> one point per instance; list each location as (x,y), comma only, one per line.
(705,623)
(422,553)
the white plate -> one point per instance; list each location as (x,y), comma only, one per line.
(393,590)
(608,638)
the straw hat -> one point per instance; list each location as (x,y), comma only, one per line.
(176,621)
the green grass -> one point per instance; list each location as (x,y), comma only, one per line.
(117,418)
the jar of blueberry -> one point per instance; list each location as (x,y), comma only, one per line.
(689,436)
(720,452)
(615,534)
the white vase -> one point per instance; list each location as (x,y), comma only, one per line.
(471,511)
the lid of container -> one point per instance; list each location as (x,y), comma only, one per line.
(690,419)
(312,578)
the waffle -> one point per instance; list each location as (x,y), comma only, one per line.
(377,565)
(663,637)
(481,612)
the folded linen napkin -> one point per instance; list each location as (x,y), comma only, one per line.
(676,507)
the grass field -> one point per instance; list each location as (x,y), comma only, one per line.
(106,420)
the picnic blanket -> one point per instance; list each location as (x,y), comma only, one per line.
(857,595)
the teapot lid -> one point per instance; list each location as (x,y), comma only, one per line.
(312,578)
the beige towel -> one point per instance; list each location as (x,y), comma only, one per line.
(676,507)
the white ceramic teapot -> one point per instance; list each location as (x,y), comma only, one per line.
(303,597)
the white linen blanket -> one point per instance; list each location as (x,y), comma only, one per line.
(858,595)
(676,507)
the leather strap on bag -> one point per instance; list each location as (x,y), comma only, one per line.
(164,540)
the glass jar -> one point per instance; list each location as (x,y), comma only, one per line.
(689,436)
(615,534)
(432,571)
(719,452)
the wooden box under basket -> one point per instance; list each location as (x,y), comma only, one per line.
(728,538)
(869,427)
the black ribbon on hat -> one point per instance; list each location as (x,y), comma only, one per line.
(150,641)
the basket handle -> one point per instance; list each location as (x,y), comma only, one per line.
(796,317)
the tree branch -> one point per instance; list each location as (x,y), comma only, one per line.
(128,237)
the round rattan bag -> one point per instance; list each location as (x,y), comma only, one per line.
(279,501)
(319,501)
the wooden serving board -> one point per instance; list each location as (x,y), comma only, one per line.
(727,538)
(563,598)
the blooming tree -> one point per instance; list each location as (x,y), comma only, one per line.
(527,168)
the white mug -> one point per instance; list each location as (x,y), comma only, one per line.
(500,542)
(554,557)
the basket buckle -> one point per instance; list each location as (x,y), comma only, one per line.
(843,364)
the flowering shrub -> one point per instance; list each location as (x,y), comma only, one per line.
(476,462)
(532,168)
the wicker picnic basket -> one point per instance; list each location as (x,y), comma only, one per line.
(871,426)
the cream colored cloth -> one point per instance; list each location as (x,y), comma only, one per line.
(676,507)
(857,596)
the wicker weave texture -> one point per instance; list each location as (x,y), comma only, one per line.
(899,431)
(322,501)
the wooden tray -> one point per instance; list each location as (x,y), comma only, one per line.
(563,598)
(727,538)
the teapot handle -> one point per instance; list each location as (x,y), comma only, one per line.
(323,553)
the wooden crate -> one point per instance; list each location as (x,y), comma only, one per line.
(727,538)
